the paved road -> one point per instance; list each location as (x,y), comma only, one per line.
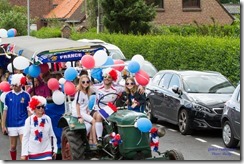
(201,146)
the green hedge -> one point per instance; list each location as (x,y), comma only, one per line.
(180,53)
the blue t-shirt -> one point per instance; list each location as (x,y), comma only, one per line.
(17,108)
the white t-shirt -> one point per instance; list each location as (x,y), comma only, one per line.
(82,100)
(101,91)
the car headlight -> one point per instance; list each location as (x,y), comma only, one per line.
(201,108)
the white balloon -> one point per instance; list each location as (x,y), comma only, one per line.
(138,58)
(10,68)
(21,63)
(3,33)
(58,97)
(100,57)
(3,95)
(68,64)
(61,80)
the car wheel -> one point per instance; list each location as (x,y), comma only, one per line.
(184,122)
(228,136)
(149,112)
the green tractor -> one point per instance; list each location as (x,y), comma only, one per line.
(135,144)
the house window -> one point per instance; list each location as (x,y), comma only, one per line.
(191,3)
(157,3)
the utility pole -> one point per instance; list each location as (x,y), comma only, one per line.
(28,17)
(98,16)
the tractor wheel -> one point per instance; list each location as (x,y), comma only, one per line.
(73,146)
(175,155)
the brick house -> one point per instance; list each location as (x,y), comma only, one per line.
(169,12)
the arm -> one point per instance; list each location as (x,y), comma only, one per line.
(25,139)
(53,138)
(4,129)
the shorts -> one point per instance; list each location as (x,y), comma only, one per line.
(87,117)
(15,131)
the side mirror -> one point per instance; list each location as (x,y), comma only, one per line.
(176,89)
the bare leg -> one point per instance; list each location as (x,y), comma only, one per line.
(13,145)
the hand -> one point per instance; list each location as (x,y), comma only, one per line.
(54,155)
(80,120)
(141,89)
(134,105)
(23,158)
(4,129)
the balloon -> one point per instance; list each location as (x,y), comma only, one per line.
(10,33)
(61,80)
(53,84)
(142,78)
(91,103)
(15,31)
(21,62)
(44,68)
(69,88)
(134,66)
(10,68)
(88,61)
(109,61)
(97,73)
(144,124)
(3,33)
(5,86)
(58,97)
(70,74)
(26,71)
(34,71)
(3,95)
(119,68)
(138,58)
(100,57)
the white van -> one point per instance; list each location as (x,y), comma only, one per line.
(113,50)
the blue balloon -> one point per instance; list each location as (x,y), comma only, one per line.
(34,71)
(144,124)
(97,73)
(109,61)
(26,71)
(133,66)
(10,33)
(91,103)
(70,74)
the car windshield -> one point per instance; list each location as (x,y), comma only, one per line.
(207,84)
(116,54)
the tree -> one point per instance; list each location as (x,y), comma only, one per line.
(127,16)
(13,17)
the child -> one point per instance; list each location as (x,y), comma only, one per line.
(135,101)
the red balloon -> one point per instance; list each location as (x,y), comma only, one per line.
(119,68)
(53,84)
(5,86)
(44,68)
(142,78)
(69,88)
(88,61)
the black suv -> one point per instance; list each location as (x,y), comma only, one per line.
(189,99)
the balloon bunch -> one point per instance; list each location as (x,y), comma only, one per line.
(8,34)
(154,139)
(115,139)
(4,88)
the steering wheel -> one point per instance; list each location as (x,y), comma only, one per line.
(104,96)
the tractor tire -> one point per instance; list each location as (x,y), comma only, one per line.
(73,146)
(184,122)
(175,155)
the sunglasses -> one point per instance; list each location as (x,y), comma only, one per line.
(87,82)
(129,83)
(107,77)
(39,107)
